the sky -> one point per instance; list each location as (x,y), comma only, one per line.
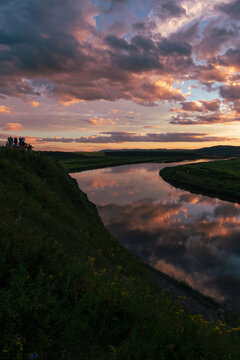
(110,74)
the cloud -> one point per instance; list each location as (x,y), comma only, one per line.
(199,106)
(12,127)
(34,104)
(232,9)
(120,137)
(73,51)
(231,58)
(215,38)
(167,48)
(98,121)
(169,9)
(193,11)
(118,43)
(5,109)
(189,33)
(231,93)
(61,53)
(186,119)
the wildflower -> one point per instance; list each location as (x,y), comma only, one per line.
(91,259)
(33,356)
(53,286)
(19,343)
(235,329)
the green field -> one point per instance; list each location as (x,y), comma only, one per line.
(217,179)
(79,161)
(70,291)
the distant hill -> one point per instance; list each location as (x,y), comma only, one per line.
(220,150)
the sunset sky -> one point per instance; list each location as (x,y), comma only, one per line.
(98,74)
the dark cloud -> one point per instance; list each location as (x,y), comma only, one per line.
(186,34)
(214,39)
(143,43)
(231,93)
(39,35)
(111,6)
(119,137)
(170,9)
(230,58)
(142,54)
(232,9)
(167,48)
(119,43)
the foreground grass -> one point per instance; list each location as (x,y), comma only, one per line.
(218,179)
(70,291)
(79,161)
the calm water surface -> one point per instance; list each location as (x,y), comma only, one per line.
(190,237)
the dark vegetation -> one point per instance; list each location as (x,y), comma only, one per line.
(220,150)
(217,179)
(75,161)
(71,291)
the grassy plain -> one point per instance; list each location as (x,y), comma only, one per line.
(217,179)
(79,161)
(70,291)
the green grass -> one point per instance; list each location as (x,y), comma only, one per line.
(71,291)
(217,179)
(79,161)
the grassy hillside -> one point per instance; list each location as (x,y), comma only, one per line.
(219,178)
(70,291)
(79,161)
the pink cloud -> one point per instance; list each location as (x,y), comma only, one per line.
(120,137)
(12,127)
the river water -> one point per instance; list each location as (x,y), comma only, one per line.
(191,237)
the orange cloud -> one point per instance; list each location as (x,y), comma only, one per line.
(34,104)
(96,121)
(12,127)
(68,100)
(5,109)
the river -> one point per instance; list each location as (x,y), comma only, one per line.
(190,237)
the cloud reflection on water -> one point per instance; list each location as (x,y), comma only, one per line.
(191,237)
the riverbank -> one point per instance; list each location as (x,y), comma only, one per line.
(76,162)
(70,290)
(219,179)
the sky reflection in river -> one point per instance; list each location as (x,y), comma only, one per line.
(191,237)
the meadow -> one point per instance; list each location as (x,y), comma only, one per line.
(79,161)
(216,179)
